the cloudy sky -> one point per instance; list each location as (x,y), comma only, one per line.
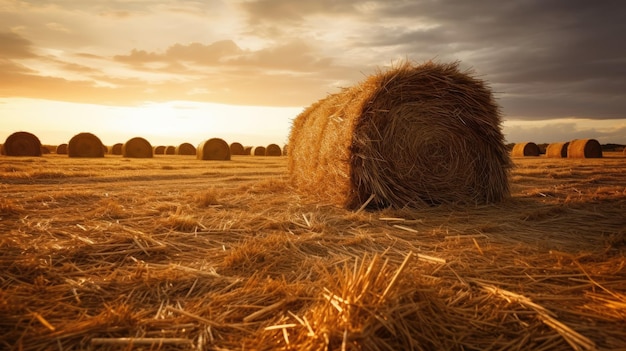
(184,71)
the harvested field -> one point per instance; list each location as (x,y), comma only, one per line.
(168,253)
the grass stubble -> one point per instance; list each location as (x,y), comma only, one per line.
(177,253)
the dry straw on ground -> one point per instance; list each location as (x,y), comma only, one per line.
(137,147)
(410,136)
(557,150)
(22,144)
(116,149)
(61,149)
(85,145)
(525,149)
(259,151)
(185,149)
(273,150)
(584,148)
(213,149)
(236,149)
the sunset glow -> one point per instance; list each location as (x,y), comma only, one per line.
(183,71)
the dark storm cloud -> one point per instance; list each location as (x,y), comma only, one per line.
(545,58)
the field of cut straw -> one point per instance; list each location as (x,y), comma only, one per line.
(175,253)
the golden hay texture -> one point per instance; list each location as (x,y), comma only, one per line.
(236,149)
(410,136)
(137,147)
(61,149)
(285,150)
(584,148)
(558,150)
(273,150)
(259,151)
(85,145)
(22,144)
(115,149)
(525,149)
(213,149)
(185,149)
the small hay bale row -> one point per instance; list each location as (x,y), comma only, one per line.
(557,150)
(137,148)
(213,149)
(116,149)
(584,148)
(185,149)
(85,145)
(407,137)
(525,149)
(22,144)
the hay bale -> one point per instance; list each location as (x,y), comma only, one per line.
(85,145)
(236,149)
(584,148)
(116,149)
(22,144)
(61,149)
(247,150)
(557,150)
(258,151)
(213,149)
(273,150)
(137,147)
(285,149)
(525,149)
(159,150)
(170,150)
(185,149)
(407,137)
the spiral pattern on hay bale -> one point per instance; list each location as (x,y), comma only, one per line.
(137,147)
(22,144)
(185,149)
(407,137)
(85,145)
(213,149)
(237,149)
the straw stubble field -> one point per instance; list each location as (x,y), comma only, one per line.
(178,253)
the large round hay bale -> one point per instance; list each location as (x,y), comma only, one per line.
(584,148)
(213,149)
(137,147)
(159,150)
(85,145)
(557,150)
(22,144)
(116,149)
(236,149)
(185,149)
(407,137)
(525,149)
(61,149)
(258,151)
(170,150)
(273,150)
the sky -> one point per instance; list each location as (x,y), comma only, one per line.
(242,70)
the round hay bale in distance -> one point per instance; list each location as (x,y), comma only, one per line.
(159,150)
(170,150)
(258,151)
(22,144)
(116,149)
(273,150)
(557,150)
(525,149)
(61,149)
(137,147)
(236,149)
(85,145)
(213,149)
(408,137)
(185,149)
(584,148)
(247,150)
